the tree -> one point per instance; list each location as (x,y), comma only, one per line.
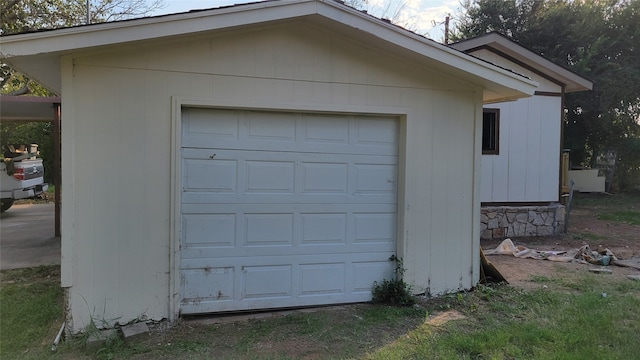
(19,16)
(597,39)
(29,15)
(396,11)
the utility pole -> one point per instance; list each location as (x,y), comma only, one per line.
(446,30)
(88,13)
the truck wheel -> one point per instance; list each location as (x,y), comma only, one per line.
(5,204)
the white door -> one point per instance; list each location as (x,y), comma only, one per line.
(284,209)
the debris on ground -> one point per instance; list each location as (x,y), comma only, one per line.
(488,272)
(602,270)
(585,255)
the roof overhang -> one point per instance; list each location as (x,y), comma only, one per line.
(38,54)
(572,82)
(28,108)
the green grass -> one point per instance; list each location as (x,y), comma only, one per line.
(562,319)
(627,217)
(541,324)
(30,311)
(604,201)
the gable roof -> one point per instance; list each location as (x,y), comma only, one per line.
(38,53)
(508,48)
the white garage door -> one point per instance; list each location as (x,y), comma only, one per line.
(285,209)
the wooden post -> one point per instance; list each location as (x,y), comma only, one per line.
(57,178)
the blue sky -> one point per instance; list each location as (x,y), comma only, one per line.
(425,17)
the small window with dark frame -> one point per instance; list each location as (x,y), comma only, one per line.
(490,131)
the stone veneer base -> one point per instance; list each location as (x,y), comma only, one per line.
(499,222)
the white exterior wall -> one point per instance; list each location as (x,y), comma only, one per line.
(121,139)
(527,168)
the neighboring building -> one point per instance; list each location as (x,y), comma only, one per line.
(521,185)
(267,155)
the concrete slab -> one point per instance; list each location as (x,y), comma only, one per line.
(27,237)
(134,330)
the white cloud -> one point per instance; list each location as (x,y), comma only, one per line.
(417,15)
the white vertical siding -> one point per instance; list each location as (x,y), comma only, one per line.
(117,215)
(527,168)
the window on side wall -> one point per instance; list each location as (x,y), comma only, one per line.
(490,131)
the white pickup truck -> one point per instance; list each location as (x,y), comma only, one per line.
(21,175)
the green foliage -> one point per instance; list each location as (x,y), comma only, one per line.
(395,291)
(598,40)
(31,133)
(20,16)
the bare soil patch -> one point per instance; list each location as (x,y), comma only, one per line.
(585,228)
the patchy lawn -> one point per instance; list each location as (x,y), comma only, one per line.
(549,311)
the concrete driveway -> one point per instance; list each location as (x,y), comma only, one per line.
(27,237)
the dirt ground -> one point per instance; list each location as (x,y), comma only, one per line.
(585,228)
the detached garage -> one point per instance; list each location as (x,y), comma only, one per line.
(261,156)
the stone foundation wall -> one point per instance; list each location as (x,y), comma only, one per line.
(500,222)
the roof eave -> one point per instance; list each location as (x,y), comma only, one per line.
(572,81)
(37,54)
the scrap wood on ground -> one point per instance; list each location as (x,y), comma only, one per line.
(584,255)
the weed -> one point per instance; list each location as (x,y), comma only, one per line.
(540,279)
(395,291)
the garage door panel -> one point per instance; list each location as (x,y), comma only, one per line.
(241,259)
(379,132)
(375,179)
(285,209)
(209,230)
(302,207)
(325,129)
(270,177)
(209,306)
(210,176)
(325,251)
(269,126)
(205,126)
(366,273)
(324,178)
(327,229)
(295,132)
(243,287)
(257,282)
(322,279)
(218,284)
(374,227)
(268,229)
(248,173)
(296,199)
(345,231)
